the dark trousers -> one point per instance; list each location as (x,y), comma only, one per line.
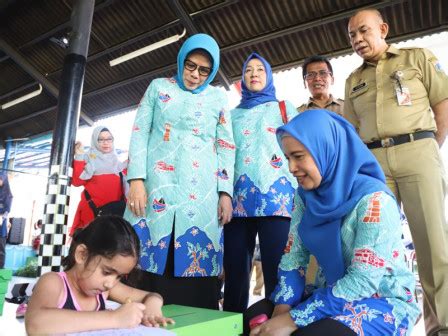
(327,327)
(2,251)
(201,292)
(239,245)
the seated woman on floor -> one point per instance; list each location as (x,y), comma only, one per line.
(346,216)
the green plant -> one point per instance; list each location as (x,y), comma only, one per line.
(29,270)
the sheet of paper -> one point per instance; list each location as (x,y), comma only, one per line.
(139,331)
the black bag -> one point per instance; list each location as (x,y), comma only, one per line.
(111,208)
(17,230)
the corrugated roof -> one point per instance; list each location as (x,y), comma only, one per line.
(283,31)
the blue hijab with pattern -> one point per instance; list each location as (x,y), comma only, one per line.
(250,99)
(198,41)
(349,171)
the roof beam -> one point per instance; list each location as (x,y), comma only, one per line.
(277,68)
(131,41)
(28,116)
(186,20)
(347,51)
(27,67)
(57,29)
(229,48)
(17,90)
(155,31)
(308,25)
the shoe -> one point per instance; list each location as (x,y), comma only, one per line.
(21,310)
(16,299)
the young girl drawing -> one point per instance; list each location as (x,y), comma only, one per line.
(74,300)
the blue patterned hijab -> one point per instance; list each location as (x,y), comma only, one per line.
(250,99)
(194,42)
(349,171)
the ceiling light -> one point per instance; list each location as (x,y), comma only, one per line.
(60,41)
(23,98)
(147,49)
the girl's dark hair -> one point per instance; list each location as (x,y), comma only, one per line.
(105,236)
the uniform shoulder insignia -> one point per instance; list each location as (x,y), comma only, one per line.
(410,48)
(436,64)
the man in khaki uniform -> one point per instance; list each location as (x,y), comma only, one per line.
(398,101)
(318,77)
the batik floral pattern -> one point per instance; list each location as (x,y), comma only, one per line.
(375,295)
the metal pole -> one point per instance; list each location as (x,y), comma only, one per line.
(33,72)
(54,227)
(7,153)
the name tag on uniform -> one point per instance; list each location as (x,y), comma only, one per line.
(403,96)
(359,87)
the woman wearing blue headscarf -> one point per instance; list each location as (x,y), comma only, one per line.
(181,161)
(345,216)
(263,187)
(5,208)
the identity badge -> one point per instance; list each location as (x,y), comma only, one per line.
(403,96)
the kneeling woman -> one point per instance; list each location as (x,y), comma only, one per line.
(346,216)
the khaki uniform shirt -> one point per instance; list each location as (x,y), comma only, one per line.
(335,105)
(371,103)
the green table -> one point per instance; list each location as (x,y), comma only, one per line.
(192,321)
(5,277)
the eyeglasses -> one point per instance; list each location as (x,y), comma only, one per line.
(100,140)
(312,75)
(192,66)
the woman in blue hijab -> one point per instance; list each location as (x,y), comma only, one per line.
(181,161)
(263,188)
(345,216)
(5,208)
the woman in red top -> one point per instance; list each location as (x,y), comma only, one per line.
(98,171)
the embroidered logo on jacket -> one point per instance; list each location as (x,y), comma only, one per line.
(164,97)
(158,205)
(276,162)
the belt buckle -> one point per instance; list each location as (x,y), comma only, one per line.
(387,142)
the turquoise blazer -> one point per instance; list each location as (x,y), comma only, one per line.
(182,147)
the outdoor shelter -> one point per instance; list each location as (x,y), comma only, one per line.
(34,36)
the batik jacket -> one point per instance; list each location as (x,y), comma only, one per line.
(182,147)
